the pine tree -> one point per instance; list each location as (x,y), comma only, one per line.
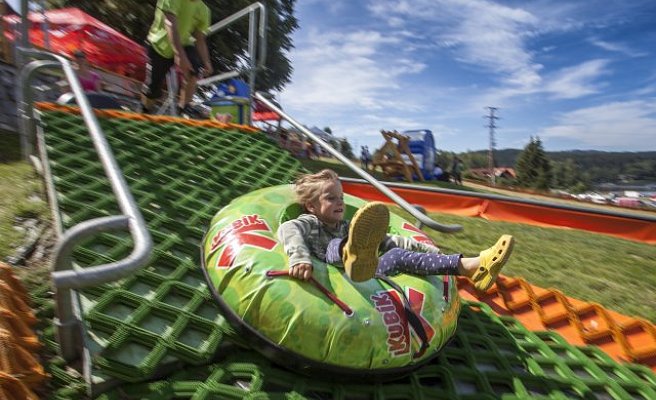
(533,167)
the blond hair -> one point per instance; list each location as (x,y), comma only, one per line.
(308,186)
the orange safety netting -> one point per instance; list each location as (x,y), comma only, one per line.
(19,368)
(626,339)
(637,229)
(12,388)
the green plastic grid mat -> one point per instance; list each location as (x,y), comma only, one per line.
(180,176)
(164,315)
(489,358)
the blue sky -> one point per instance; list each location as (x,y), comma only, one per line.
(579,74)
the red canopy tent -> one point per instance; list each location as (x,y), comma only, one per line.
(263,113)
(71,29)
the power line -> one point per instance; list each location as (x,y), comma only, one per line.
(490,155)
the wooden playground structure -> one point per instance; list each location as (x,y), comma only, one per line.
(395,158)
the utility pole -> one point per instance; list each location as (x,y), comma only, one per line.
(490,155)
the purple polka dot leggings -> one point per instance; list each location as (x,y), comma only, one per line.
(398,260)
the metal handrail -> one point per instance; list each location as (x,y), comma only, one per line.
(255,61)
(65,278)
(424,219)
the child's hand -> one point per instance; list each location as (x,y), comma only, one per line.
(301,271)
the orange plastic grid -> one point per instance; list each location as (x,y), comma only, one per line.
(12,388)
(19,368)
(626,339)
(148,117)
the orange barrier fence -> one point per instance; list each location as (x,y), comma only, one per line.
(633,228)
(19,369)
(626,339)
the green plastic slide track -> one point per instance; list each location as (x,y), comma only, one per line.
(161,326)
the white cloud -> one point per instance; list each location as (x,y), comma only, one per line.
(481,33)
(567,83)
(616,125)
(617,48)
(646,90)
(334,7)
(496,38)
(336,71)
(577,81)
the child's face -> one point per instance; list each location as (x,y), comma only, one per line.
(329,206)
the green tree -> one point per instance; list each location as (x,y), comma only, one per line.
(474,160)
(443,158)
(533,167)
(567,175)
(328,130)
(227,47)
(346,149)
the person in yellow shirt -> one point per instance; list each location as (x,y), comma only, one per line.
(177,37)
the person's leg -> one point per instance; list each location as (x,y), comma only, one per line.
(399,260)
(190,78)
(482,270)
(156,71)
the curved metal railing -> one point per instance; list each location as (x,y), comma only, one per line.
(422,218)
(65,277)
(256,21)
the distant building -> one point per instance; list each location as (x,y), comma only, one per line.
(499,172)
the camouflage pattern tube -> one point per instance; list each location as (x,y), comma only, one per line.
(294,322)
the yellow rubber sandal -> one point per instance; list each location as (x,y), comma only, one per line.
(366,231)
(492,260)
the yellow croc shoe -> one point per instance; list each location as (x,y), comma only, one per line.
(492,260)
(366,231)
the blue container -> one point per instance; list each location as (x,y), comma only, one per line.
(422,147)
(232,88)
(232,97)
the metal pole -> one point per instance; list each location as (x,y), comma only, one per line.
(255,30)
(382,188)
(24,30)
(45,27)
(252,52)
(262,34)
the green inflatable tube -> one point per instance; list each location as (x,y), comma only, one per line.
(331,323)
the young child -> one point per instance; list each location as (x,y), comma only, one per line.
(323,233)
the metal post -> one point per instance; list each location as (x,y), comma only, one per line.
(24,30)
(45,27)
(24,102)
(252,55)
